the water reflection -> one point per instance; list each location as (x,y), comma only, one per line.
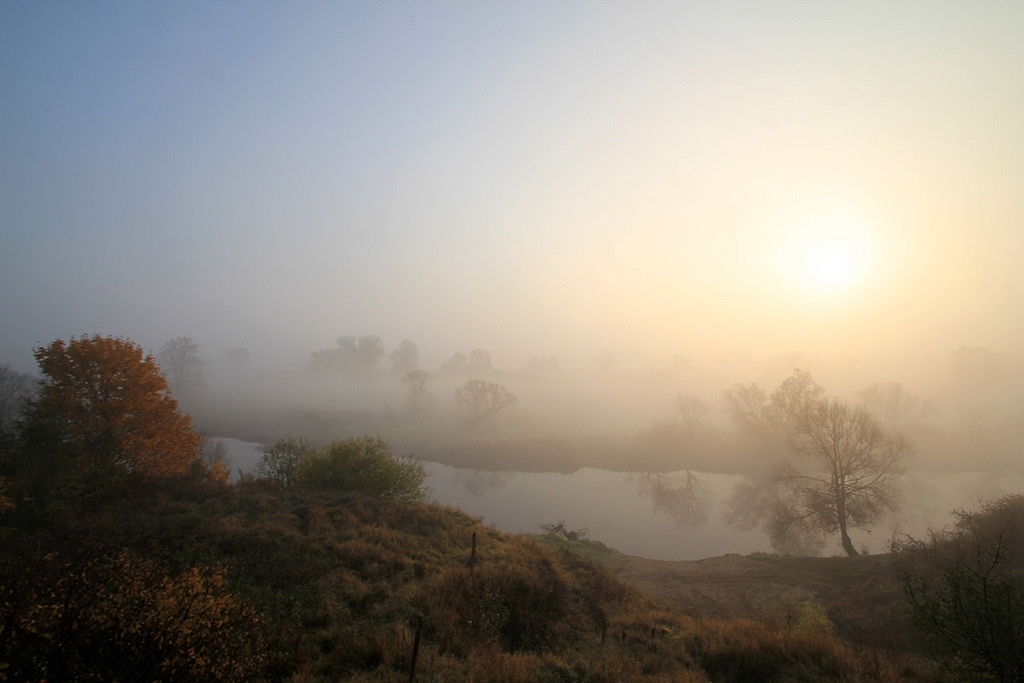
(479,482)
(683,497)
(609,504)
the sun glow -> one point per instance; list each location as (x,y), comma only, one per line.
(826,256)
(831,264)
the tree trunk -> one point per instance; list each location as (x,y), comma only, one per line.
(843,534)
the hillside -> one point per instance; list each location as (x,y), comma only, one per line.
(333,586)
(862,596)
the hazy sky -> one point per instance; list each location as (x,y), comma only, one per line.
(530,177)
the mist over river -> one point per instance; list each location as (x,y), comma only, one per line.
(669,516)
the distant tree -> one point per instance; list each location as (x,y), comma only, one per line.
(691,416)
(851,479)
(965,587)
(687,425)
(483,399)
(405,359)
(367,465)
(456,365)
(180,361)
(754,410)
(354,355)
(16,389)
(748,406)
(417,395)
(280,463)
(893,406)
(105,407)
(477,362)
(791,401)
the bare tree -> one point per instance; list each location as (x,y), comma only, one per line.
(848,478)
(857,464)
(754,410)
(180,362)
(691,416)
(748,406)
(483,399)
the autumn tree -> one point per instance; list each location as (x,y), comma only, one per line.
(179,359)
(482,399)
(105,406)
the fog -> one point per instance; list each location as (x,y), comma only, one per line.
(614,206)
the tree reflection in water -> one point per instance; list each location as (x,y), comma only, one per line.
(479,482)
(683,497)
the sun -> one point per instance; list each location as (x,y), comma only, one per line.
(826,256)
(831,264)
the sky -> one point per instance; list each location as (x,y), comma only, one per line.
(533,178)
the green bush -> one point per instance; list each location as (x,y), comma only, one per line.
(281,461)
(365,464)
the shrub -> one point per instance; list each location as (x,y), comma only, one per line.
(367,465)
(280,462)
(965,587)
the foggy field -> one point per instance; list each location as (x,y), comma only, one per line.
(684,287)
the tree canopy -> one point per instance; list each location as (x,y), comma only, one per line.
(108,408)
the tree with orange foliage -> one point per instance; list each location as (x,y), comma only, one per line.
(108,409)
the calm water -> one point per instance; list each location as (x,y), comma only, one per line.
(674,516)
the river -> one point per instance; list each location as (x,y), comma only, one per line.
(672,516)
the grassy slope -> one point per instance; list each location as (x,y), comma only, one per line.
(341,580)
(863,596)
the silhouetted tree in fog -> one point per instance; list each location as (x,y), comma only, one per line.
(483,399)
(477,363)
(179,359)
(417,395)
(847,478)
(354,356)
(405,359)
(893,406)
(748,406)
